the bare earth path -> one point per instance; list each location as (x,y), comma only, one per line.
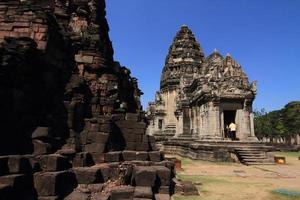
(230,181)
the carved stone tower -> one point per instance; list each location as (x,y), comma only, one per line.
(199,96)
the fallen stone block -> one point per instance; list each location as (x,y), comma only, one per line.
(144,176)
(18,164)
(54,162)
(54,183)
(129,155)
(83,159)
(122,193)
(88,175)
(143,192)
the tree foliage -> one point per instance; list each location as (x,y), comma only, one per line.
(278,123)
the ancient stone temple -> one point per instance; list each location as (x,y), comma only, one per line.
(199,96)
(72,125)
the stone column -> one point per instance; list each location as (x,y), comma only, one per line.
(186,120)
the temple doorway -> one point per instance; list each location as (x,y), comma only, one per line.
(229,116)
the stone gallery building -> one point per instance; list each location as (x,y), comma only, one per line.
(200,96)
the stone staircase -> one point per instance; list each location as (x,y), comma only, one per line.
(251,155)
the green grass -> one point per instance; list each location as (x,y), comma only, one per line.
(187,161)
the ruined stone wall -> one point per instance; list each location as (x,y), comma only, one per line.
(72,124)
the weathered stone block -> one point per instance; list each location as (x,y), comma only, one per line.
(18,164)
(98,157)
(54,183)
(162,197)
(97,137)
(142,156)
(143,192)
(87,175)
(76,195)
(17,181)
(131,146)
(163,175)
(54,162)
(49,198)
(41,132)
(164,190)
(139,174)
(95,148)
(129,155)
(155,156)
(142,146)
(112,156)
(82,160)
(122,193)
(41,148)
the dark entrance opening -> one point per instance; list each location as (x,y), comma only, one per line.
(229,116)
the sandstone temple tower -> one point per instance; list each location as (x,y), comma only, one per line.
(199,96)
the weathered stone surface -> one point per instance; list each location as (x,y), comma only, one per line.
(88,175)
(83,159)
(139,174)
(142,155)
(163,175)
(143,192)
(17,181)
(129,155)
(77,196)
(155,156)
(54,162)
(41,148)
(54,183)
(18,164)
(112,156)
(122,192)
(162,197)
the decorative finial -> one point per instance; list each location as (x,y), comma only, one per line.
(215,50)
(184,26)
(228,55)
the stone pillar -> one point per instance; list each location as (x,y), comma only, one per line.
(186,120)
(222,125)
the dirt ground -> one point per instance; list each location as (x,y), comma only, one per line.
(231,181)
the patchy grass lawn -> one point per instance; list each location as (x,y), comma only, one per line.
(231,181)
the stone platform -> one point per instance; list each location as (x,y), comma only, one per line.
(221,151)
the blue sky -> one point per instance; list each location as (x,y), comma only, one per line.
(262,35)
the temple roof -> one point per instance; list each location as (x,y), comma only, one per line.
(185,48)
(185,57)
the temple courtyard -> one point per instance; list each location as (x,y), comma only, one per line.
(232,181)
